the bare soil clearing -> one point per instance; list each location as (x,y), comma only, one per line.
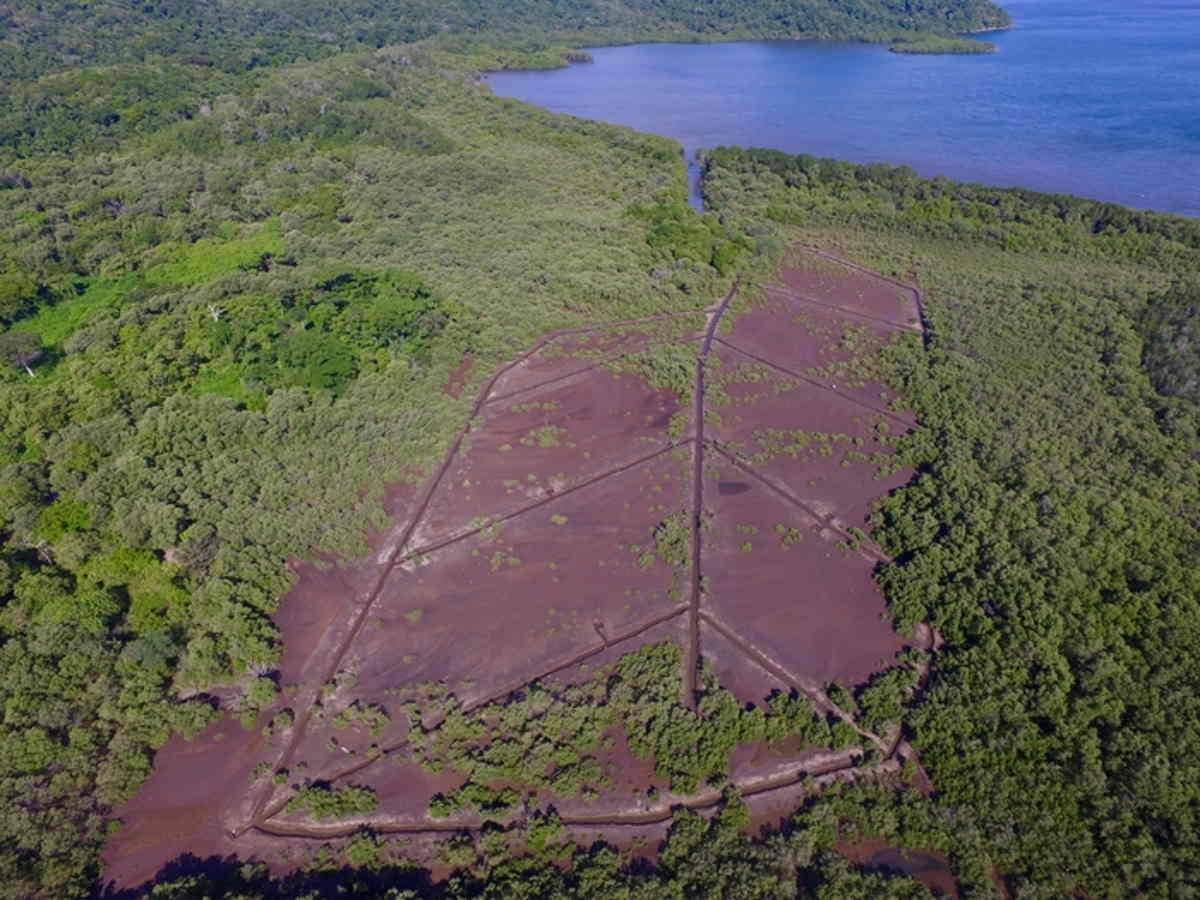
(574,521)
(546,441)
(820,278)
(929,867)
(529,588)
(790,584)
(747,681)
(812,444)
(182,807)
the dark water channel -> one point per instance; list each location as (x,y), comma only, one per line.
(1092,97)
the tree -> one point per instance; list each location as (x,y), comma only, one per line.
(18,296)
(21,349)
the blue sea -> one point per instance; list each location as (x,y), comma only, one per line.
(1098,98)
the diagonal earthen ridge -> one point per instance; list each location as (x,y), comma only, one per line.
(916,293)
(799,376)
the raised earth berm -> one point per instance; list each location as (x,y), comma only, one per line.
(581,350)
(694,485)
(546,442)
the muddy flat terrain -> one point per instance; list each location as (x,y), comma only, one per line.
(702,480)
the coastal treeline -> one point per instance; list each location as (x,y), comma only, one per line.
(41,35)
(1051,535)
(242,250)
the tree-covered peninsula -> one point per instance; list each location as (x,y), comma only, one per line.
(39,36)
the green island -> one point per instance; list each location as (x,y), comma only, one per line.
(926,44)
(270,280)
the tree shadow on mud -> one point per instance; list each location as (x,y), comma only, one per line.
(190,877)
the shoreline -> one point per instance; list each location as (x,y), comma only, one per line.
(586,45)
(992,29)
(1096,190)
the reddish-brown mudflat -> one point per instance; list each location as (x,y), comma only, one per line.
(822,349)
(747,681)
(531,552)
(328,592)
(582,351)
(929,867)
(813,444)
(184,807)
(521,451)
(823,281)
(791,586)
(509,604)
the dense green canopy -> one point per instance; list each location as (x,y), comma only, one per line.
(1052,534)
(239,263)
(51,33)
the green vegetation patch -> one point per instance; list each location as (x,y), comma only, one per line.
(937,44)
(550,737)
(207,259)
(677,231)
(1051,536)
(672,543)
(87,298)
(324,802)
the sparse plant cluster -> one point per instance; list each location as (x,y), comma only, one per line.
(862,363)
(667,367)
(342,680)
(552,738)
(545,436)
(857,538)
(798,444)
(720,378)
(280,722)
(472,798)
(672,543)
(788,535)
(256,696)
(324,802)
(368,716)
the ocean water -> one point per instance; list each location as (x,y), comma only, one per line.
(1098,98)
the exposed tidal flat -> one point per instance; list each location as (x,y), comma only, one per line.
(1089,97)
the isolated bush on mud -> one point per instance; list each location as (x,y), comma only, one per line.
(369,716)
(670,367)
(672,543)
(256,696)
(474,798)
(325,802)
